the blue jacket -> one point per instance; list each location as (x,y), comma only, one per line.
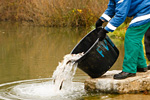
(118,10)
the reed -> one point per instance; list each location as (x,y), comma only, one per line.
(53,12)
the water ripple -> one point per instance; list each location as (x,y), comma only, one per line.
(39,89)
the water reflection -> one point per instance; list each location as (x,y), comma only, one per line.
(28,52)
(100,96)
(39,89)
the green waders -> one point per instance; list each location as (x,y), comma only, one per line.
(134,54)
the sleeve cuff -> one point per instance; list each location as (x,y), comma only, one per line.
(105,17)
(110,27)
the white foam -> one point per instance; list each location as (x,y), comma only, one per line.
(34,90)
(64,73)
(47,90)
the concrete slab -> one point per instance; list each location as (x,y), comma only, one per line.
(106,83)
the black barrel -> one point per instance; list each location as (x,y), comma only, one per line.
(99,56)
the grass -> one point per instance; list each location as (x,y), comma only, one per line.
(53,12)
(58,13)
(74,13)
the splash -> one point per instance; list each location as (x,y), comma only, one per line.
(59,87)
(63,75)
(39,89)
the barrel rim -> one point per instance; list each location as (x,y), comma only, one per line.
(85,53)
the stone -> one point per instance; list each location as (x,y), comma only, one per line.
(106,83)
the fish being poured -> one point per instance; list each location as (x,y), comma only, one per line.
(63,75)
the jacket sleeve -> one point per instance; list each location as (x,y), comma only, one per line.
(121,11)
(109,12)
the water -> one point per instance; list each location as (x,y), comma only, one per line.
(65,71)
(29,55)
(39,89)
(60,87)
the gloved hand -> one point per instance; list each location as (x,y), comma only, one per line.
(102,34)
(99,23)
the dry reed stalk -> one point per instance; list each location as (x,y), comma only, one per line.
(53,12)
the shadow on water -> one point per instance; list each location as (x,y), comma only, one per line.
(28,52)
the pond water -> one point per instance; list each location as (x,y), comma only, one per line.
(29,55)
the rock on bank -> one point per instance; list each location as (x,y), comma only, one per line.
(106,83)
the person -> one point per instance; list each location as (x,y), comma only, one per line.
(147,45)
(115,15)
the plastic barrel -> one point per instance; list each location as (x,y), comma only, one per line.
(99,56)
